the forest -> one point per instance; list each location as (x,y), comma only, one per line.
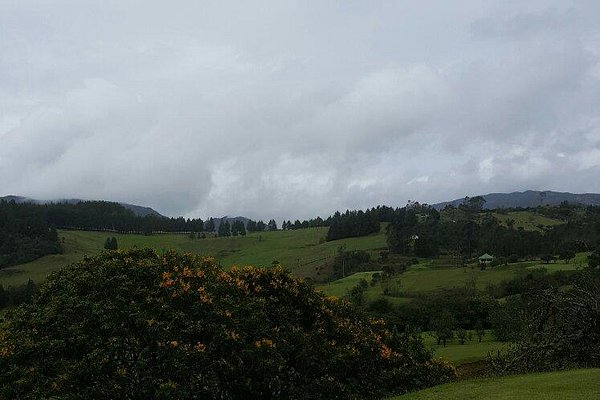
(25,234)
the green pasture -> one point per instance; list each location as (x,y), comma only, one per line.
(579,261)
(458,354)
(576,384)
(302,251)
(341,287)
(428,275)
(530,221)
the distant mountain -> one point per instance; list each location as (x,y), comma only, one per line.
(137,210)
(529,198)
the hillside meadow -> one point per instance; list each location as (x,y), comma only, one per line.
(429,275)
(302,251)
(527,220)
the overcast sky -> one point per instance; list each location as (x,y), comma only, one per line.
(295,109)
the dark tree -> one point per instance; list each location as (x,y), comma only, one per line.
(224,228)
(209,226)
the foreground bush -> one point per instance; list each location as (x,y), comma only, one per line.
(561,329)
(132,324)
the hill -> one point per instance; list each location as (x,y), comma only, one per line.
(563,385)
(303,251)
(529,198)
(434,274)
(139,211)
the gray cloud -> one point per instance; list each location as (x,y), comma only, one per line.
(288,110)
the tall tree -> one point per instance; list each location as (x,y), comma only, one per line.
(209,226)
(272,226)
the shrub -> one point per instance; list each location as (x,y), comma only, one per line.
(133,324)
(562,330)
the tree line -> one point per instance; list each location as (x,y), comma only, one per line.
(466,231)
(25,234)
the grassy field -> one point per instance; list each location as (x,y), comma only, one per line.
(527,220)
(302,251)
(563,385)
(469,352)
(341,287)
(427,276)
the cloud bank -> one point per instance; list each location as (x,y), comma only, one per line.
(288,110)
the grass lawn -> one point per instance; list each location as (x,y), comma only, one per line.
(563,385)
(301,251)
(469,352)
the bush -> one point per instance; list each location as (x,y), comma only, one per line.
(562,330)
(132,324)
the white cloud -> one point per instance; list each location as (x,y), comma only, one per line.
(288,110)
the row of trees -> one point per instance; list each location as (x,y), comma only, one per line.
(103,215)
(237,227)
(352,224)
(380,213)
(424,232)
(234,229)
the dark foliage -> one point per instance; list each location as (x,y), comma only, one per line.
(25,234)
(348,262)
(16,295)
(465,306)
(132,324)
(420,230)
(562,329)
(352,224)
(104,215)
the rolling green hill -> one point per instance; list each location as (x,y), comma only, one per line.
(302,251)
(562,385)
(428,275)
(528,220)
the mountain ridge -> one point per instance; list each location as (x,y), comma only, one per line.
(527,198)
(140,211)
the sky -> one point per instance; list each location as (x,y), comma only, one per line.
(293,109)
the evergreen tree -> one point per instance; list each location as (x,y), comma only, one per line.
(272,225)
(209,226)
(224,228)
(251,226)
(113,243)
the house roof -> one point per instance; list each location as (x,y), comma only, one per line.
(486,256)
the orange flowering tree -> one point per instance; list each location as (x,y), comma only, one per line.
(134,324)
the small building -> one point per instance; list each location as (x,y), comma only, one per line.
(486,259)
